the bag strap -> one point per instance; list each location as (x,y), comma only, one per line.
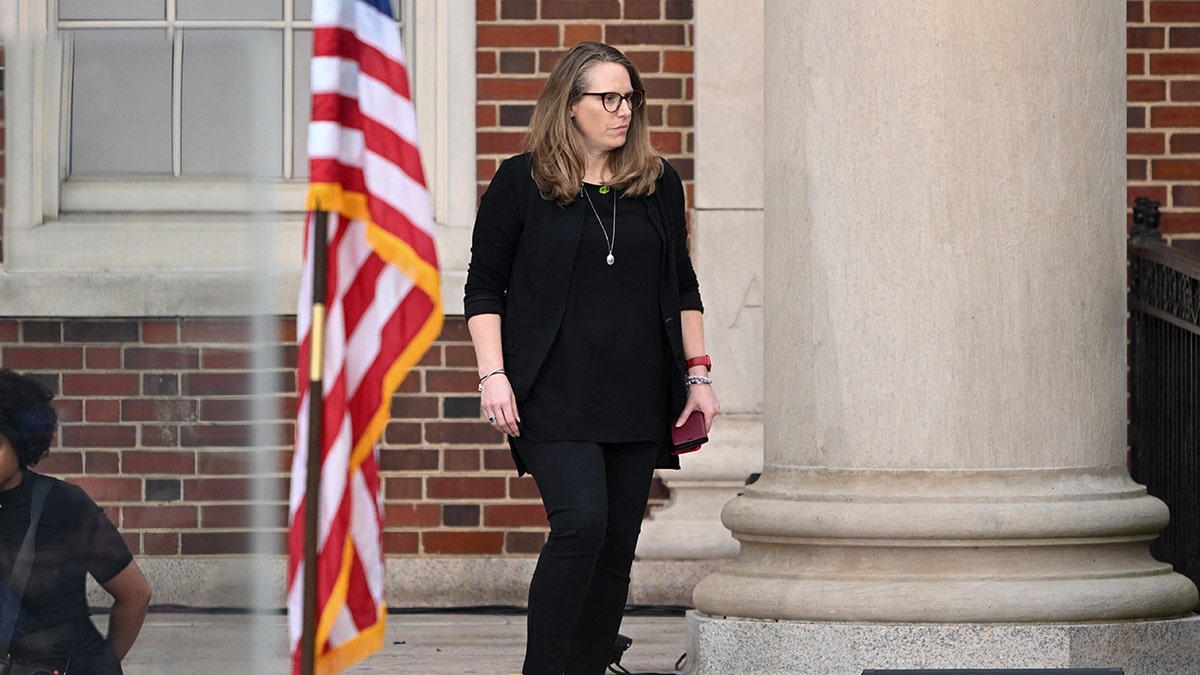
(24,562)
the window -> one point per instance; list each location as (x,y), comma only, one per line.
(156,150)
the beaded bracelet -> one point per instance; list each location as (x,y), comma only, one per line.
(498,371)
(697,379)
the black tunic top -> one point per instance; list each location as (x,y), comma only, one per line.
(74,538)
(603,377)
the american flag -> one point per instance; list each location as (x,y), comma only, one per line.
(383,310)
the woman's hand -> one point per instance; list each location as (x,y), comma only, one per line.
(499,405)
(701,397)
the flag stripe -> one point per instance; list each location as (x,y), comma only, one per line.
(382,311)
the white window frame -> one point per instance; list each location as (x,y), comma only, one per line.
(188,262)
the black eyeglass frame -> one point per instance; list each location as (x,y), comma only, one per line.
(638,94)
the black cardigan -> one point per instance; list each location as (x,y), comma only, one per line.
(522,255)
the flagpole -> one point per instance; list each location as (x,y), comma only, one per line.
(316,436)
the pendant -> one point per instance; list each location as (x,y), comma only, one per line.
(610,259)
(604,190)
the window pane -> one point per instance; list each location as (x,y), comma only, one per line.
(232,103)
(302,108)
(121,103)
(112,9)
(230,9)
(303,10)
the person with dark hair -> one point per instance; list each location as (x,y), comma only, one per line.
(48,622)
(585,315)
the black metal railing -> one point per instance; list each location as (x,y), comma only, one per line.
(1164,386)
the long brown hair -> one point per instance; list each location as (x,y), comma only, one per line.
(556,146)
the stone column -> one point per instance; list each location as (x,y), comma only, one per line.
(945,403)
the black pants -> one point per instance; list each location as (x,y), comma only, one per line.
(595,496)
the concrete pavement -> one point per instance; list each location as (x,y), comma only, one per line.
(490,642)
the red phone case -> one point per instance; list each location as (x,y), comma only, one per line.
(691,435)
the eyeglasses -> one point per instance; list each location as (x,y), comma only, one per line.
(612,100)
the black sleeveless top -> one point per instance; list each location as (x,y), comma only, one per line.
(605,377)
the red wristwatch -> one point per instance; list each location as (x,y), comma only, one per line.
(700,361)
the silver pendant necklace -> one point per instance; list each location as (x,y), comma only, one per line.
(603,189)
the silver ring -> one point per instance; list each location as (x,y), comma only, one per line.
(491,420)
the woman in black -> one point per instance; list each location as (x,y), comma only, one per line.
(586,319)
(73,539)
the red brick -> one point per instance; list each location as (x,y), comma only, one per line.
(485,117)
(1135,64)
(98,436)
(679,10)
(111,489)
(412,515)
(158,410)
(524,542)
(1180,223)
(160,543)
(514,515)
(1185,195)
(239,463)
(402,433)
(1175,169)
(160,517)
(408,460)
(232,542)
(216,330)
(663,88)
(519,10)
(668,142)
(462,432)
(1146,90)
(452,381)
(460,460)
(242,515)
(574,33)
(414,407)
(60,462)
(1144,37)
(232,435)
(102,358)
(1135,11)
(485,10)
(1184,37)
(523,488)
(508,89)
(213,358)
(1147,144)
(678,61)
(1175,64)
(101,384)
(42,358)
(476,543)
(101,410)
(455,330)
(406,487)
(1174,11)
(160,332)
(1185,91)
(1135,117)
(1135,169)
(226,489)
(642,10)
(1155,193)
(399,543)
(100,463)
(498,459)
(158,462)
(9,330)
(226,384)
(526,35)
(226,410)
(1183,144)
(464,487)
(1175,116)
(160,436)
(646,34)
(581,9)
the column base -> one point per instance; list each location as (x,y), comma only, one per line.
(722,645)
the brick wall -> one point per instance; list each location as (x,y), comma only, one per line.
(1164,110)
(158,426)
(519,41)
